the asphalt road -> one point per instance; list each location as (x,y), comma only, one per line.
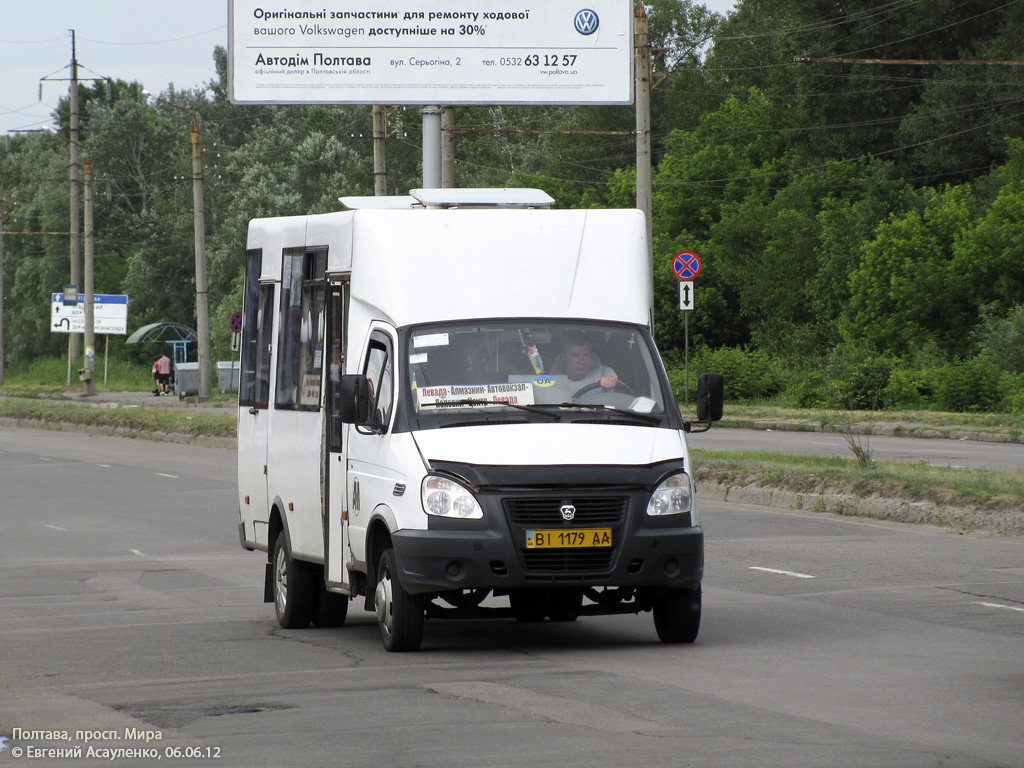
(129,608)
(971,454)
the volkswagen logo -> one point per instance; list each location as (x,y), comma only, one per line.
(586,22)
(568,511)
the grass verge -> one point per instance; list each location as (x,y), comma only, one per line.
(907,421)
(944,486)
(136,422)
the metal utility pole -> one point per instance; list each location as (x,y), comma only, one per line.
(90,350)
(202,294)
(90,340)
(642,73)
(75,229)
(74,343)
(90,296)
(380,131)
(431,147)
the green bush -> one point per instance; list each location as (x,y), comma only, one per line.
(749,375)
(1011,387)
(910,389)
(858,376)
(869,379)
(808,389)
(969,386)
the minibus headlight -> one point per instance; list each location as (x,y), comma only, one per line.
(447,498)
(674,496)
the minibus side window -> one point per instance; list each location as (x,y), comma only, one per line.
(257,325)
(337,302)
(264,330)
(300,358)
(380,376)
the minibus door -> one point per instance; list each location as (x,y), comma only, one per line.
(337,552)
(253,416)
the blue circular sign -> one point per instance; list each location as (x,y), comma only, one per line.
(236,322)
(686,265)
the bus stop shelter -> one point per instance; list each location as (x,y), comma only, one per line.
(173,335)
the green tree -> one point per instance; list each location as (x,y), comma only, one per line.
(904,292)
(989,256)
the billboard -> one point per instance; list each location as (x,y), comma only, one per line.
(445,52)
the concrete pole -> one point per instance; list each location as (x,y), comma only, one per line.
(642,73)
(90,298)
(74,342)
(380,132)
(202,295)
(447,148)
(431,147)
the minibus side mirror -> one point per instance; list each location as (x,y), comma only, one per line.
(710,396)
(355,399)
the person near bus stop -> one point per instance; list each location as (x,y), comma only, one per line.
(162,367)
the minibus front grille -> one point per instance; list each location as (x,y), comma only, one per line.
(525,513)
(547,510)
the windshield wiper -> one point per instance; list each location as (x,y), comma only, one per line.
(548,409)
(650,418)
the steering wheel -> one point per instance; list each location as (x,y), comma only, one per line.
(619,387)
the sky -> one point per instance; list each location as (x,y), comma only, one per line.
(154,42)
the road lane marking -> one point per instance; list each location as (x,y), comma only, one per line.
(164,474)
(54,527)
(794,574)
(999,605)
(140,554)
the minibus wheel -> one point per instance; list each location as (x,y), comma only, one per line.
(399,614)
(294,587)
(677,616)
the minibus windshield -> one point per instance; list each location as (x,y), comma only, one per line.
(533,370)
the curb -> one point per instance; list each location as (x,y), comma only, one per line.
(102,431)
(961,519)
(881,429)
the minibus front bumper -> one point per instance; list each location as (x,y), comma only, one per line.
(436,561)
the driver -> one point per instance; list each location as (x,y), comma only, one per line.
(580,364)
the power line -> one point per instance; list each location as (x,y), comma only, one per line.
(908,62)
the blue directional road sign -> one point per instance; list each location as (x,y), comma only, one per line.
(110,314)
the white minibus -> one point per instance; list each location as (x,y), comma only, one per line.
(451,406)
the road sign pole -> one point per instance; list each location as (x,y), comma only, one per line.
(686,356)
